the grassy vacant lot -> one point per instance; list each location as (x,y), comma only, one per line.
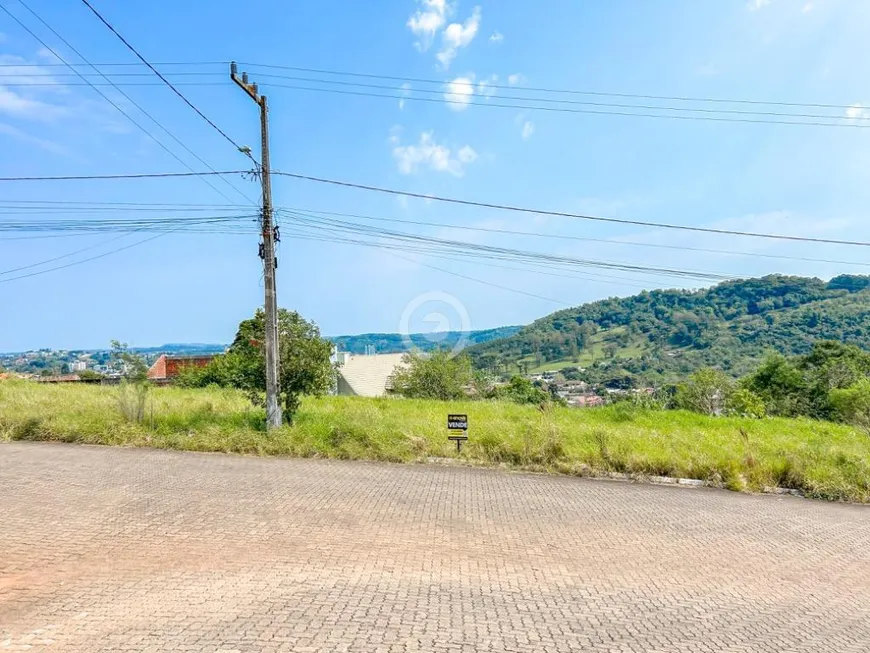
(824,460)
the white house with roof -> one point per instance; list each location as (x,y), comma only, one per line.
(366,376)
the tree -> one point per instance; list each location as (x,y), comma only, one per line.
(521,391)
(436,376)
(706,391)
(852,404)
(829,366)
(780,385)
(745,403)
(304,365)
(134,367)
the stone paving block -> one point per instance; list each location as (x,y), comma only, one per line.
(112,549)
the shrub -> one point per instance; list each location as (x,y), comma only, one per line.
(131,397)
(780,385)
(706,391)
(436,376)
(745,403)
(852,404)
(520,391)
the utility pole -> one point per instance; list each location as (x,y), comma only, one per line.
(267,253)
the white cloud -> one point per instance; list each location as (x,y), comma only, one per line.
(858,112)
(807,8)
(428,20)
(458,35)
(528,129)
(755,5)
(467,155)
(485,87)
(515,78)
(429,154)
(405,90)
(459,92)
(47,145)
(395,134)
(496,38)
(19,106)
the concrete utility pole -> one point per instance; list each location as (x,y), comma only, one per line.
(267,253)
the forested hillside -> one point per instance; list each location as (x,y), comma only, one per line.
(664,334)
(390,343)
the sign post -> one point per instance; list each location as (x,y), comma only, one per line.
(457,427)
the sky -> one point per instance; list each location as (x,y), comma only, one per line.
(785,179)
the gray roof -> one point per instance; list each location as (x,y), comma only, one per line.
(367,376)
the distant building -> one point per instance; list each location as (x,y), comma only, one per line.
(366,376)
(167,367)
(60,378)
(585,401)
(78,366)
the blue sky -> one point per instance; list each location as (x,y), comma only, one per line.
(196,288)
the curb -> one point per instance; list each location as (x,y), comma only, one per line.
(611,476)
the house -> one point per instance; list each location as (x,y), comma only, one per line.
(168,366)
(585,401)
(366,376)
(78,366)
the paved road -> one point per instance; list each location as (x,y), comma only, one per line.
(132,550)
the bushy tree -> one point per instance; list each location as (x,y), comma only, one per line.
(780,385)
(745,403)
(436,376)
(304,366)
(831,366)
(852,404)
(706,391)
(521,390)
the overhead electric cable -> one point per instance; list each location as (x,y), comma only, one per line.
(113,103)
(578,216)
(157,72)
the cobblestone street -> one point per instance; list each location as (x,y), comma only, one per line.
(110,549)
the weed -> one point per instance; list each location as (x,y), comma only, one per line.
(29,429)
(822,459)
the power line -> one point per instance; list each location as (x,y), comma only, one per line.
(445,91)
(512,87)
(125,225)
(427,243)
(135,204)
(87,260)
(157,72)
(122,63)
(484,282)
(63,256)
(578,216)
(109,100)
(587,276)
(433,267)
(671,98)
(533,234)
(154,175)
(694,114)
(597,112)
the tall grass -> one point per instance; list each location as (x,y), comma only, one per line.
(822,459)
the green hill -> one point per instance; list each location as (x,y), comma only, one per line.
(392,343)
(664,334)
